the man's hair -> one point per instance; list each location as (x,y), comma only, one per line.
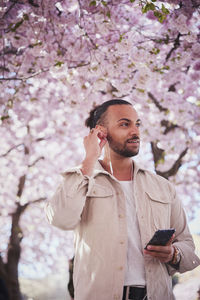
(97,114)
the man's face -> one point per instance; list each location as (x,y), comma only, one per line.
(123,130)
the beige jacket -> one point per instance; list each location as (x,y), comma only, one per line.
(95,208)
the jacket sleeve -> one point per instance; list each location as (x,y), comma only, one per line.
(183,238)
(64,209)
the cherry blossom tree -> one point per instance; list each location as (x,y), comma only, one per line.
(60,58)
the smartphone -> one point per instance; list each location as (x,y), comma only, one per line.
(161,237)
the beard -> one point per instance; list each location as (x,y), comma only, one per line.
(123,149)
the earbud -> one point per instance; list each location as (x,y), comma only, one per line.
(103,132)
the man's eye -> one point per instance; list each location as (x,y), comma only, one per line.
(138,124)
(125,124)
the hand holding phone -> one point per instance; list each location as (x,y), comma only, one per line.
(161,237)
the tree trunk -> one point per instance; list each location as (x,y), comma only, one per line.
(13,256)
(4,291)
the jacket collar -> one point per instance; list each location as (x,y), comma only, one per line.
(99,169)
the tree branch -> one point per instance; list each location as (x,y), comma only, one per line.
(14,251)
(31,2)
(21,185)
(155,101)
(172,87)
(174,169)
(23,78)
(35,161)
(158,153)
(169,126)
(79,65)
(22,144)
(11,6)
(176,45)
(22,208)
(14,147)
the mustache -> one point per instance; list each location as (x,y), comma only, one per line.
(134,137)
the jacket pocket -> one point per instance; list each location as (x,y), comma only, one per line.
(99,191)
(159,210)
(100,205)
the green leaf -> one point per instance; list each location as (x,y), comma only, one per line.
(59,63)
(121,38)
(167,112)
(165,10)
(131,65)
(147,7)
(93,3)
(166,67)
(108,14)
(140,90)
(33,99)
(104,3)
(25,17)
(157,14)
(17,25)
(39,43)
(4,118)
(161,17)
(132,1)
(155,51)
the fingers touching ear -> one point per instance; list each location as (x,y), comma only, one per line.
(102,131)
(102,128)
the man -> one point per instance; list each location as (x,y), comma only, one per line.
(115,207)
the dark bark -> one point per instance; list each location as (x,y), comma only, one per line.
(176,45)
(169,126)
(175,167)
(159,154)
(10,269)
(4,290)
(13,255)
(156,102)
(14,251)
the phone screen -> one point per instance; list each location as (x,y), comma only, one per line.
(161,237)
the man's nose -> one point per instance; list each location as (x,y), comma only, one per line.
(134,130)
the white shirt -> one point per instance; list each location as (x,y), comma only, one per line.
(135,273)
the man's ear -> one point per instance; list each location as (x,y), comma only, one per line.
(102,128)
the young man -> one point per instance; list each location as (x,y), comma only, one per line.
(115,207)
